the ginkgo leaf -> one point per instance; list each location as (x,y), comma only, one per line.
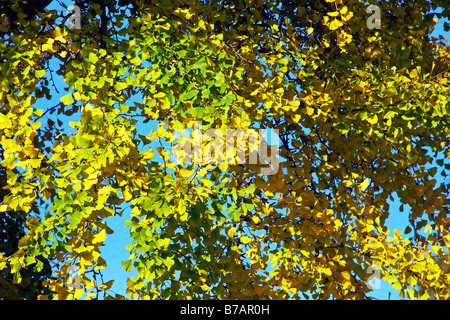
(39,73)
(185,96)
(413,73)
(206,182)
(58,35)
(99,237)
(186,172)
(231,232)
(363,186)
(67,99)
(4,122)
(126,265)
(92,58)
(335,24)
(245,239)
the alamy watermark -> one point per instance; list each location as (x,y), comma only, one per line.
(374,20)
(216,146)
(73,280)
(74,21)
(374,281)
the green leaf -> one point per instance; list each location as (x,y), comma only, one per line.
(185,96)
(75,219)
(144,139)
(126,265)
(342,127)
(137,61)
(390,114)
(148,204)
(92,58)
(199,64)
(220,80)
(196,112)
(234,212)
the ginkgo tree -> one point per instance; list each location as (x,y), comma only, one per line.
(362,115)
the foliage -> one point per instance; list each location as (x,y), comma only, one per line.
(362,115)
(12,230)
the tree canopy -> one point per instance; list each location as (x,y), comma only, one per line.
(362,114)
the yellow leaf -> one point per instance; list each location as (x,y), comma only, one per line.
(256,219)
(99,237)
(363,186)
(186,172)
(30,151)
(309,110)
(4,122)
(436,249)
(166,26)
(207,183)
(58,35)
(245,240)
(343,10)
(231,232)
(397,285)
(126,195)
(346,275)
(326,271)
(205,287)
(335,24)
(333,14)
(203,172)
(373,119)
(291,229)
(425,296)
(35,125)
(295,103)
(296,117)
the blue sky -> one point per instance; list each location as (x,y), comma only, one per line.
(114,250)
